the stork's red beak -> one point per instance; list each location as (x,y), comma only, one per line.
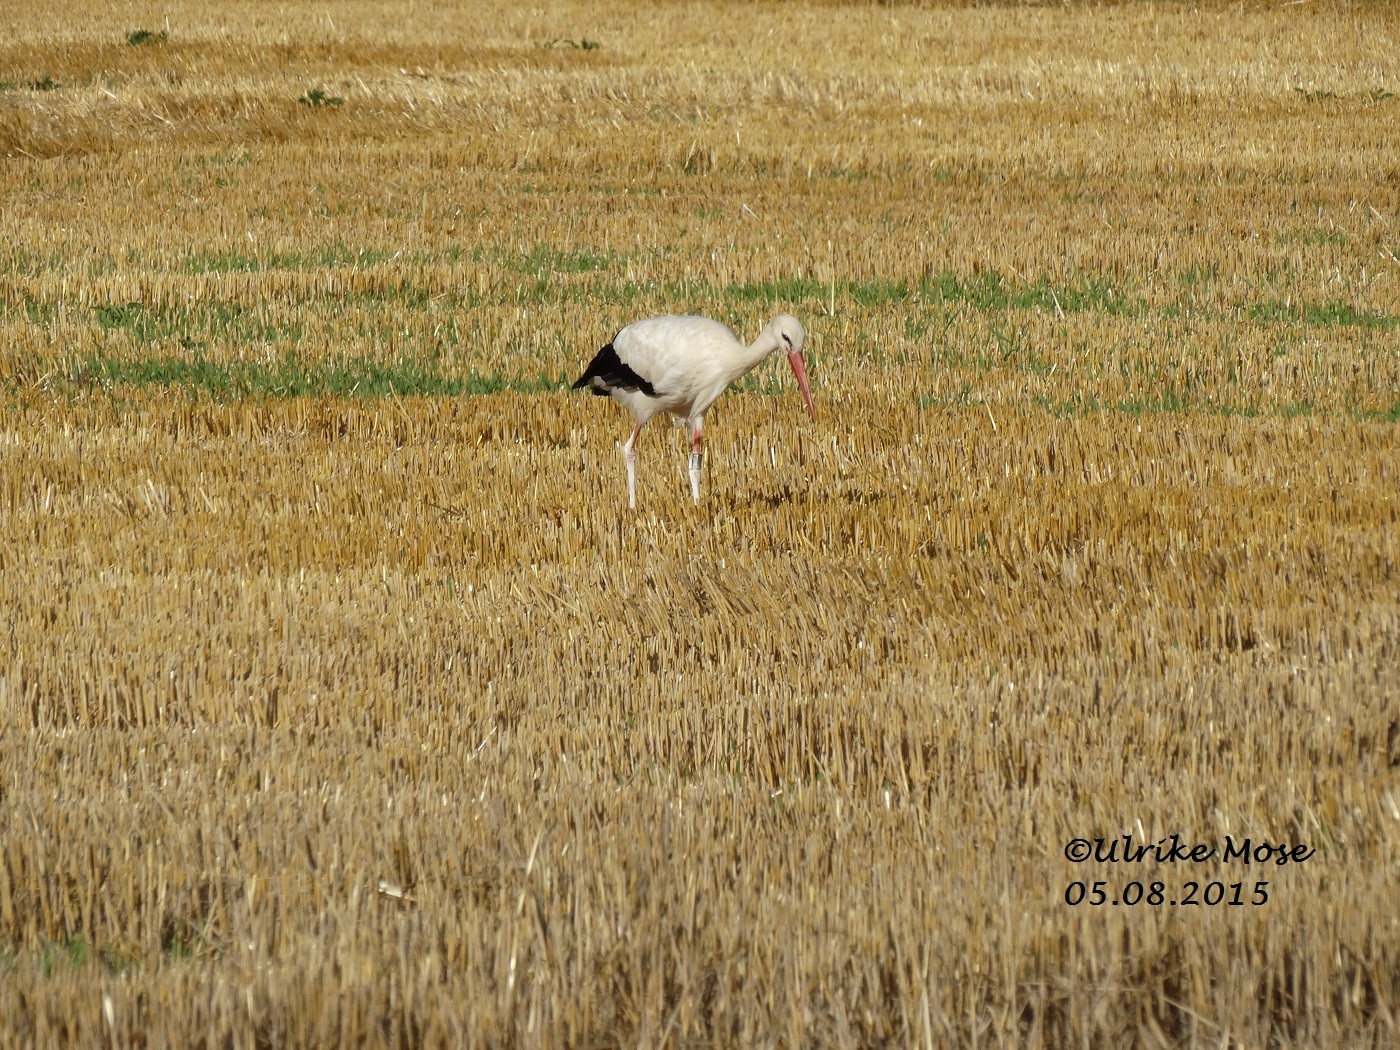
(799,370)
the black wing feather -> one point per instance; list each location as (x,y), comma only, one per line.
(607,372)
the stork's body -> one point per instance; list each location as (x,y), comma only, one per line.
(682,365)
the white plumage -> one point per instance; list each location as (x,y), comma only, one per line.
(682,365)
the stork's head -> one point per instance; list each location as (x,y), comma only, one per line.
(788,335)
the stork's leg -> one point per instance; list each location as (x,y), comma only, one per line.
(696,456)
(629,455)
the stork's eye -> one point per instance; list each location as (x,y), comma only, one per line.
(786,339)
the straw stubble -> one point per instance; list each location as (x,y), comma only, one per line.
(345,702)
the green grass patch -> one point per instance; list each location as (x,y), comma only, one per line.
(1320,238)
(52,956)
(1332,313)
(1169,402)
(992,291)
(34,311)
(1196,278)
(328,257)
(783,290)
(55,957)
(536,277)
(542,260)
(963,397)
(292,377)
(985,291)
(189,326)
(145,37)
(318,99)
(1013,351)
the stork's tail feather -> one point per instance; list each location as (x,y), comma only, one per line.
(608,372)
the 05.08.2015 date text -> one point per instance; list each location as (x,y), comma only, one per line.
(1158,894)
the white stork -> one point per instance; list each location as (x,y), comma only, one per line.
(681,365)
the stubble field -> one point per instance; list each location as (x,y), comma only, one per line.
(342,700)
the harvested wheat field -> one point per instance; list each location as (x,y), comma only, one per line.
(344,702)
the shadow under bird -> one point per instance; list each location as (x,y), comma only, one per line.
(682,365)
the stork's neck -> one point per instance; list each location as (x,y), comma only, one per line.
(767,341)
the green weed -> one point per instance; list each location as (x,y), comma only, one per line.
(316,99)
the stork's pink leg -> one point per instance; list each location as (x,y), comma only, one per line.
(697,448)
(629,454)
